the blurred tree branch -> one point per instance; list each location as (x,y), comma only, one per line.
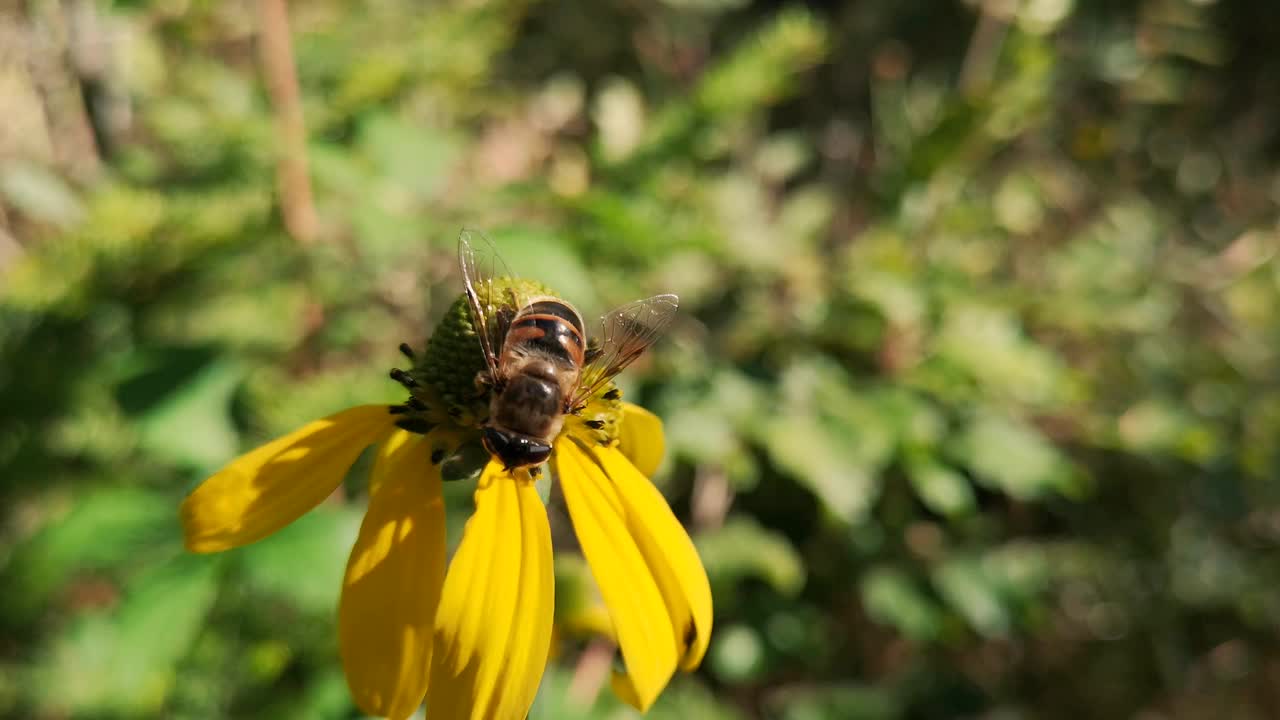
(591,673)
(281,75)
(45,118)
(979,63)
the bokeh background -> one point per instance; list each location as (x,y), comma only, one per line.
(972,405)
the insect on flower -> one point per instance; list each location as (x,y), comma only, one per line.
(511,371)
(537,357)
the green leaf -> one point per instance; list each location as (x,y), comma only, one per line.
(686,698)
(1021,569)
(987,343)
(183,407)
(760,70)
(125,662)
(892,598)
(742,549)
(831,439)
(1010,455)
(104,529)
(324,697)
(305,561)
(969,591)
(575,589)
(39,193)
(940,488)
(813,453)
(845,701)
(737,654)
(412,159)
(701,433)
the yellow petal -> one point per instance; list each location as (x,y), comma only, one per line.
(670,553)
(640,438)
(493,629)
(642,626)
(393,581)
(270,487)
(649,574)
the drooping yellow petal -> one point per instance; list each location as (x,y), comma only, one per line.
(393,581)
(640,438)
(642,626)
(270,487)
(669,551)
(493,628)
(649,574)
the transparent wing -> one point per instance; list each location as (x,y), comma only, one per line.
(625,334)
(491,309)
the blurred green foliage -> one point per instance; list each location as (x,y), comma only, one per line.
(972,407)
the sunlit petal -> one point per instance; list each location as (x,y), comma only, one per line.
(649,574)
(493,629)
(270,487)
(641,622)
(393,581)
(669,552)
(640,438)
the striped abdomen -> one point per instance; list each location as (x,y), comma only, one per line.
(550,328)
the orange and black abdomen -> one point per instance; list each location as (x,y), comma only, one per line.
(551,328)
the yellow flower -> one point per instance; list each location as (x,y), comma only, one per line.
(474,641)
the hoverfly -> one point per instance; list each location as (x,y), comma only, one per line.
(539,366)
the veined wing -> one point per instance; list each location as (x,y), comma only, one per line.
(626,333)
(491,308)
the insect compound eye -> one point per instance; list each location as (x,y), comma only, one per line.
(515,451)
(536,453)
(523,452)
(496,442)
